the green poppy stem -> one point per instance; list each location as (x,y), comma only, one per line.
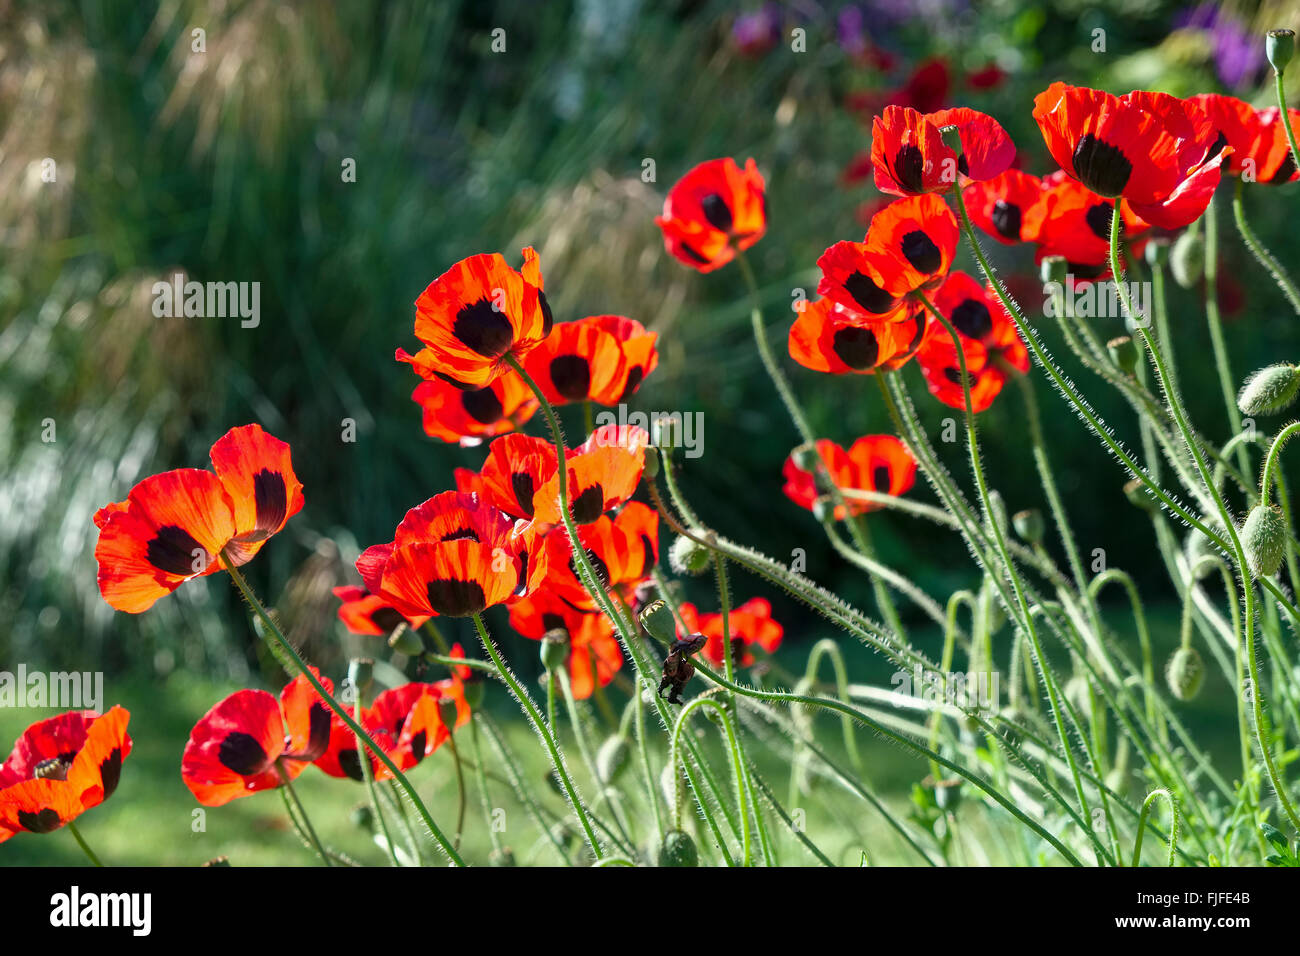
(81,842)
(302,813)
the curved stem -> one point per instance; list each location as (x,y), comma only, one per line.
(302,813)
(81,842)
(738,768)
(1142,825)
(1226,384)
(1266,259)
(278,642)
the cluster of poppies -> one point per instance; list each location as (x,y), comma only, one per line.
(492,355)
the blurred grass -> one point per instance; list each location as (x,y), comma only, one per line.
(226,165)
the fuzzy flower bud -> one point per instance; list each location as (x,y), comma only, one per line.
(1185,673)
(1263,535)
(1269,390)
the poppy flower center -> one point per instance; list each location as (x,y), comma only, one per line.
(571,375)
(717,212)
(454,598)
(972,319)
(867,294)
(53,768)
(482,328)
(482,405)
(856,348)
(173,550)
(1101,167)
(1006,219)
(909,168)
(1098,218)
(920,250)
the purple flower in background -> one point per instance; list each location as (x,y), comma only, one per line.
(850,29)
(1238,53)
(757,32)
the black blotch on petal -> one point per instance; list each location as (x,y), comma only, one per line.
(1006,219)
(909,168)
(692,254)
(571,375)
(318,728)
(173,550)
(386,618)
(350,764)
(1285,171)
(597,564)
(717,212)
(271,498)
(548,317)
(461,534)
(482,405)
(589,505)
(1099,218)
(857,348)
(521,483)
(880,476)
(418,743)
(110,771)
(647,554)
(454,598)
(551,621)
(1101,167)
(920,250)
(867,294)
(952,374)
(483,329)
(634,378)
(242,753)
(972,319)
(45,821)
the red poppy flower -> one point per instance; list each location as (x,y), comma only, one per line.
(173,526)
(750,625)
(999,205)
(878,463)
(830,338)
(516,467)
(250,741)
(928,86)
(1160,153)
(600,359)
(1071,221)
(468,481)
(623,550)
(474,315)
(713,211)
(364,613)
(989,340)
(591,637)
(909,246)
(604,472)
(453,555)
(406,722)
(60,768)
(1257,137)
(468,416)
(910,156)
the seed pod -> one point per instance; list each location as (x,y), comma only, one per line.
(658,621)
(1185,673)
(1280,45)
(1157,252)
(363,817)
(1053,269)
(1187,259)
(555,649)
(1124,353)
(678,849)
(651,469)
(688,557)
(1269,390)
(1029,524)
(1263,535)
(612,757)
(806,458)
(474,688)
(406,640)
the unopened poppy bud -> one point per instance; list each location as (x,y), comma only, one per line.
(1157,252)
(1279,46)
(555,648)
(678,849)
(1140,496)
(474,688)
(612,757)
(823,509)
(1054,269)
(952,139)
(806,458)
(502,857)
(1187,259)
(658,621)
(651,469)
(406,640)
(687,556)
(1123,352)
(1263,535)
(1029,524)
(363,817)
(1185,673)
(361,674)
(1269,390)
